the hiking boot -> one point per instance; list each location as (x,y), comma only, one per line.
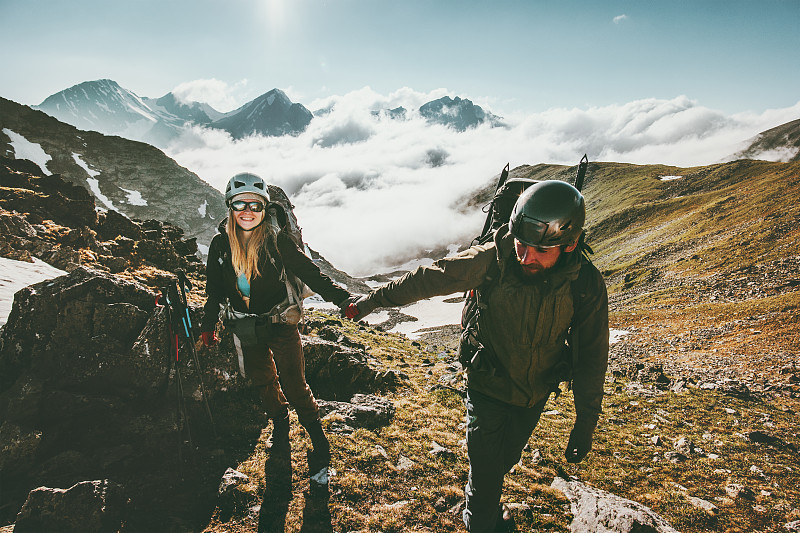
(279,442)
(505,522)
(319,458)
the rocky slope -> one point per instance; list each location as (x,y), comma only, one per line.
(47,217)
(131,177)
(780,143)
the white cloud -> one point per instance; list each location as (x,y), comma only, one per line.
(372,192)
(218,94)
(620,18)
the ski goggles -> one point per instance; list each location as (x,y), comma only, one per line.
(529,231)
(240,205)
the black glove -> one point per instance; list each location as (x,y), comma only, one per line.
(580,442)
(357,307)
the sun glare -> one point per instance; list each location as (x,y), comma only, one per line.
(275,14)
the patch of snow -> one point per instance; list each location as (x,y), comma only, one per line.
(412,265)
(270,99)
(669,178)
(24,149)
(429,313)
(15,275)
(81,163)
(315,300)
(142,112)
(615,335)
(377,318)
(452,249)
(94,186)
(134,197)
(202,209)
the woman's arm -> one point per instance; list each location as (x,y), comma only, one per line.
(215,293)
(304,268)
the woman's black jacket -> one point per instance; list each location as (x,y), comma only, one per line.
(266,290)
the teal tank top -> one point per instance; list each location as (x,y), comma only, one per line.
(243,285)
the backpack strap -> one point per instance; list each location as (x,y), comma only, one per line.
(472,352)
(578,293)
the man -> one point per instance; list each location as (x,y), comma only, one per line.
(544,308)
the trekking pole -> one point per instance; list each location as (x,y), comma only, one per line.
(182,417)
(184,282)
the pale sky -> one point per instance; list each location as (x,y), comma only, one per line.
(509,56)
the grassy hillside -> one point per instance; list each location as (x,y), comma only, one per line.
(393,480)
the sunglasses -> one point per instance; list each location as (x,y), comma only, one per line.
(240,205)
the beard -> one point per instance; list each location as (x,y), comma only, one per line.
(531,269)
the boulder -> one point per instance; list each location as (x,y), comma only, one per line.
(88,384)
(603,512)
(336,372)
(362,411)
(86,507)
(113,224)
(72,328)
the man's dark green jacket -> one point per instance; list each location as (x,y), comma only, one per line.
(526,322)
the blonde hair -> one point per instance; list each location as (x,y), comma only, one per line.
(245,257)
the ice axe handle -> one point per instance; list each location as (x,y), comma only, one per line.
(581,172)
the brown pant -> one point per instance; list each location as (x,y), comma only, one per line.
(278,371)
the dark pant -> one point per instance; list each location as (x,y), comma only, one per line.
(276,368)
(496,434)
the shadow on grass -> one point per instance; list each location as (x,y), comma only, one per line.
(316,513)
(277,493)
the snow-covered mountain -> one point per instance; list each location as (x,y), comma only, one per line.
(457,113)
(106,107)
(270,114)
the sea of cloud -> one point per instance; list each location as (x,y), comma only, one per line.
(372,192)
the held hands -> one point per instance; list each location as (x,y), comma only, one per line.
(209,338)
(580,443)
(357,307)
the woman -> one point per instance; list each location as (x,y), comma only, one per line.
(244,271)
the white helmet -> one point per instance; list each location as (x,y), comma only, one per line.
(245,182)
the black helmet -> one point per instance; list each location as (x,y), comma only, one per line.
(548,213)
(245,182)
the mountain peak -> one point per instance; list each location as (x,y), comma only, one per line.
(104,106)
(272,113)
(457,113)
(274,97)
